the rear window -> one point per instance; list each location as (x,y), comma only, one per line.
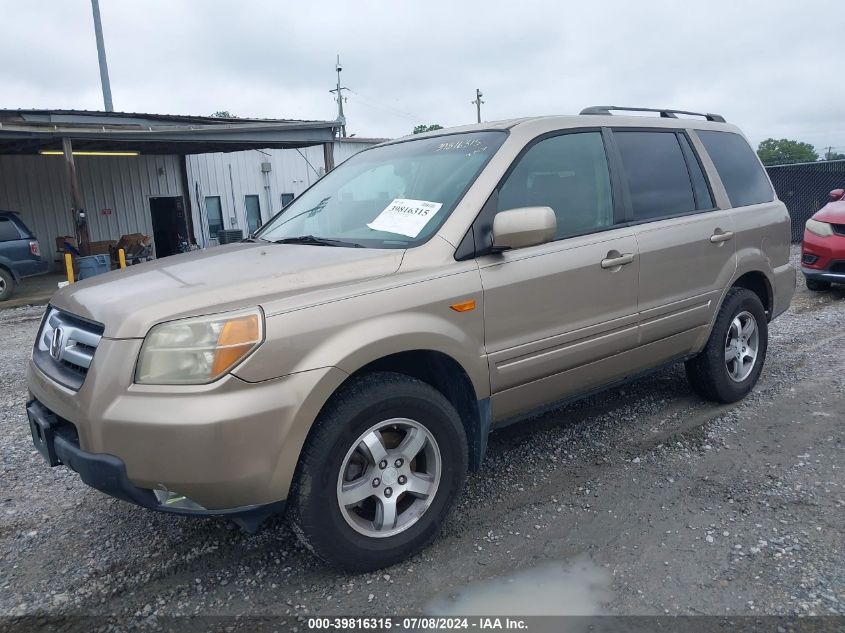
(8,230)
(658,179)
(744,178)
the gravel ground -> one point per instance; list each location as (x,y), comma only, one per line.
(643,500)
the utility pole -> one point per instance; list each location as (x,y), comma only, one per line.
(101,55)
(829,154)
(340,98)
(478,103)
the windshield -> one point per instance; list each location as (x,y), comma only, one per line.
(394,196)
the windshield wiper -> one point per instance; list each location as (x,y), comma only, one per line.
(310,240)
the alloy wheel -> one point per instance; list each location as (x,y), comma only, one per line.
(741,346)
(389,477)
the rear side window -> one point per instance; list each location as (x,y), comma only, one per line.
(658,180)
(8,230)
(567,173)
(744,178)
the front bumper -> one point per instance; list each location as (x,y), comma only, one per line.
(228,444)
(824,253)
(823,275)
(58,442)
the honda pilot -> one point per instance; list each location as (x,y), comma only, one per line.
(348,362)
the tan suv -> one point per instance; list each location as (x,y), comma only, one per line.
(350,360)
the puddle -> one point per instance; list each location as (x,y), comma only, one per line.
(576,587)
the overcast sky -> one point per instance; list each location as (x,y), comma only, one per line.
(775,68)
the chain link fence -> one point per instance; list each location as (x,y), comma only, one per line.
(805,187)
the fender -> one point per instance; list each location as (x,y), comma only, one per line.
(749,260)
(353,332)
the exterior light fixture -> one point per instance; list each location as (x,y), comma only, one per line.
(58,152)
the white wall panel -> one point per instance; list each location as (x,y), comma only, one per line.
(37,187)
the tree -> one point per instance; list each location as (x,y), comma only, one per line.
(779,152)
(419,129)
(223,114)
(834,156)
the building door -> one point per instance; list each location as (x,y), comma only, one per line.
(253,213)
(170,226)
(214,216)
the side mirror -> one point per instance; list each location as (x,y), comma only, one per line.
(526,226)
(837,194)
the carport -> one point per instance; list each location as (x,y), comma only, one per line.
(96,175)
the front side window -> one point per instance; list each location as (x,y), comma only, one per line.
(567,173)
(393,196)
(659,182)
(742,175)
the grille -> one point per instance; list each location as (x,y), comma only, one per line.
(65,347)
(839,229)
(837,267)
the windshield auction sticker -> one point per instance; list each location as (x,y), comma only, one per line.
(405,217)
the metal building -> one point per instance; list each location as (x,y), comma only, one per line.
(100,175)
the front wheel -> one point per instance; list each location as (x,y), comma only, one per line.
(730,364)
(379,472)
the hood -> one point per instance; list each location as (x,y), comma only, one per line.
(832,212)
(128,302)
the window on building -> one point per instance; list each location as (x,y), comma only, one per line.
(658,179)
(287,198)
(742,175)
(253,212)
(8,230)
(567,173)
(214,215)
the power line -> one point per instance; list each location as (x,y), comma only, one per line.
(373,103)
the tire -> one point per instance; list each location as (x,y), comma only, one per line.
(817,285)
(711,373)
(7,284)
(403,411)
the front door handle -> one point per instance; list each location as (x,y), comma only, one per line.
(615,259)
(721,236)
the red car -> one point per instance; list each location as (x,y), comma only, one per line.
(823,248)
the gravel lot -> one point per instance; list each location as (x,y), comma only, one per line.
(643,500)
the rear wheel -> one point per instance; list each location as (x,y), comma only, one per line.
(730,364)
(379,472)
(7,284)
(817,285)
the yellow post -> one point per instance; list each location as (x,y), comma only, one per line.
(121,256)
(69,267)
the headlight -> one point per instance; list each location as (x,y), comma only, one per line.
(198,350)
(822,229)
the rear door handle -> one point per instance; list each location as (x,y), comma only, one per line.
(721,236)
(614,260)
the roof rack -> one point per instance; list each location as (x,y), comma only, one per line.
(664,112)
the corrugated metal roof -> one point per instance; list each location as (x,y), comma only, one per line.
(61,115)
(30,131)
